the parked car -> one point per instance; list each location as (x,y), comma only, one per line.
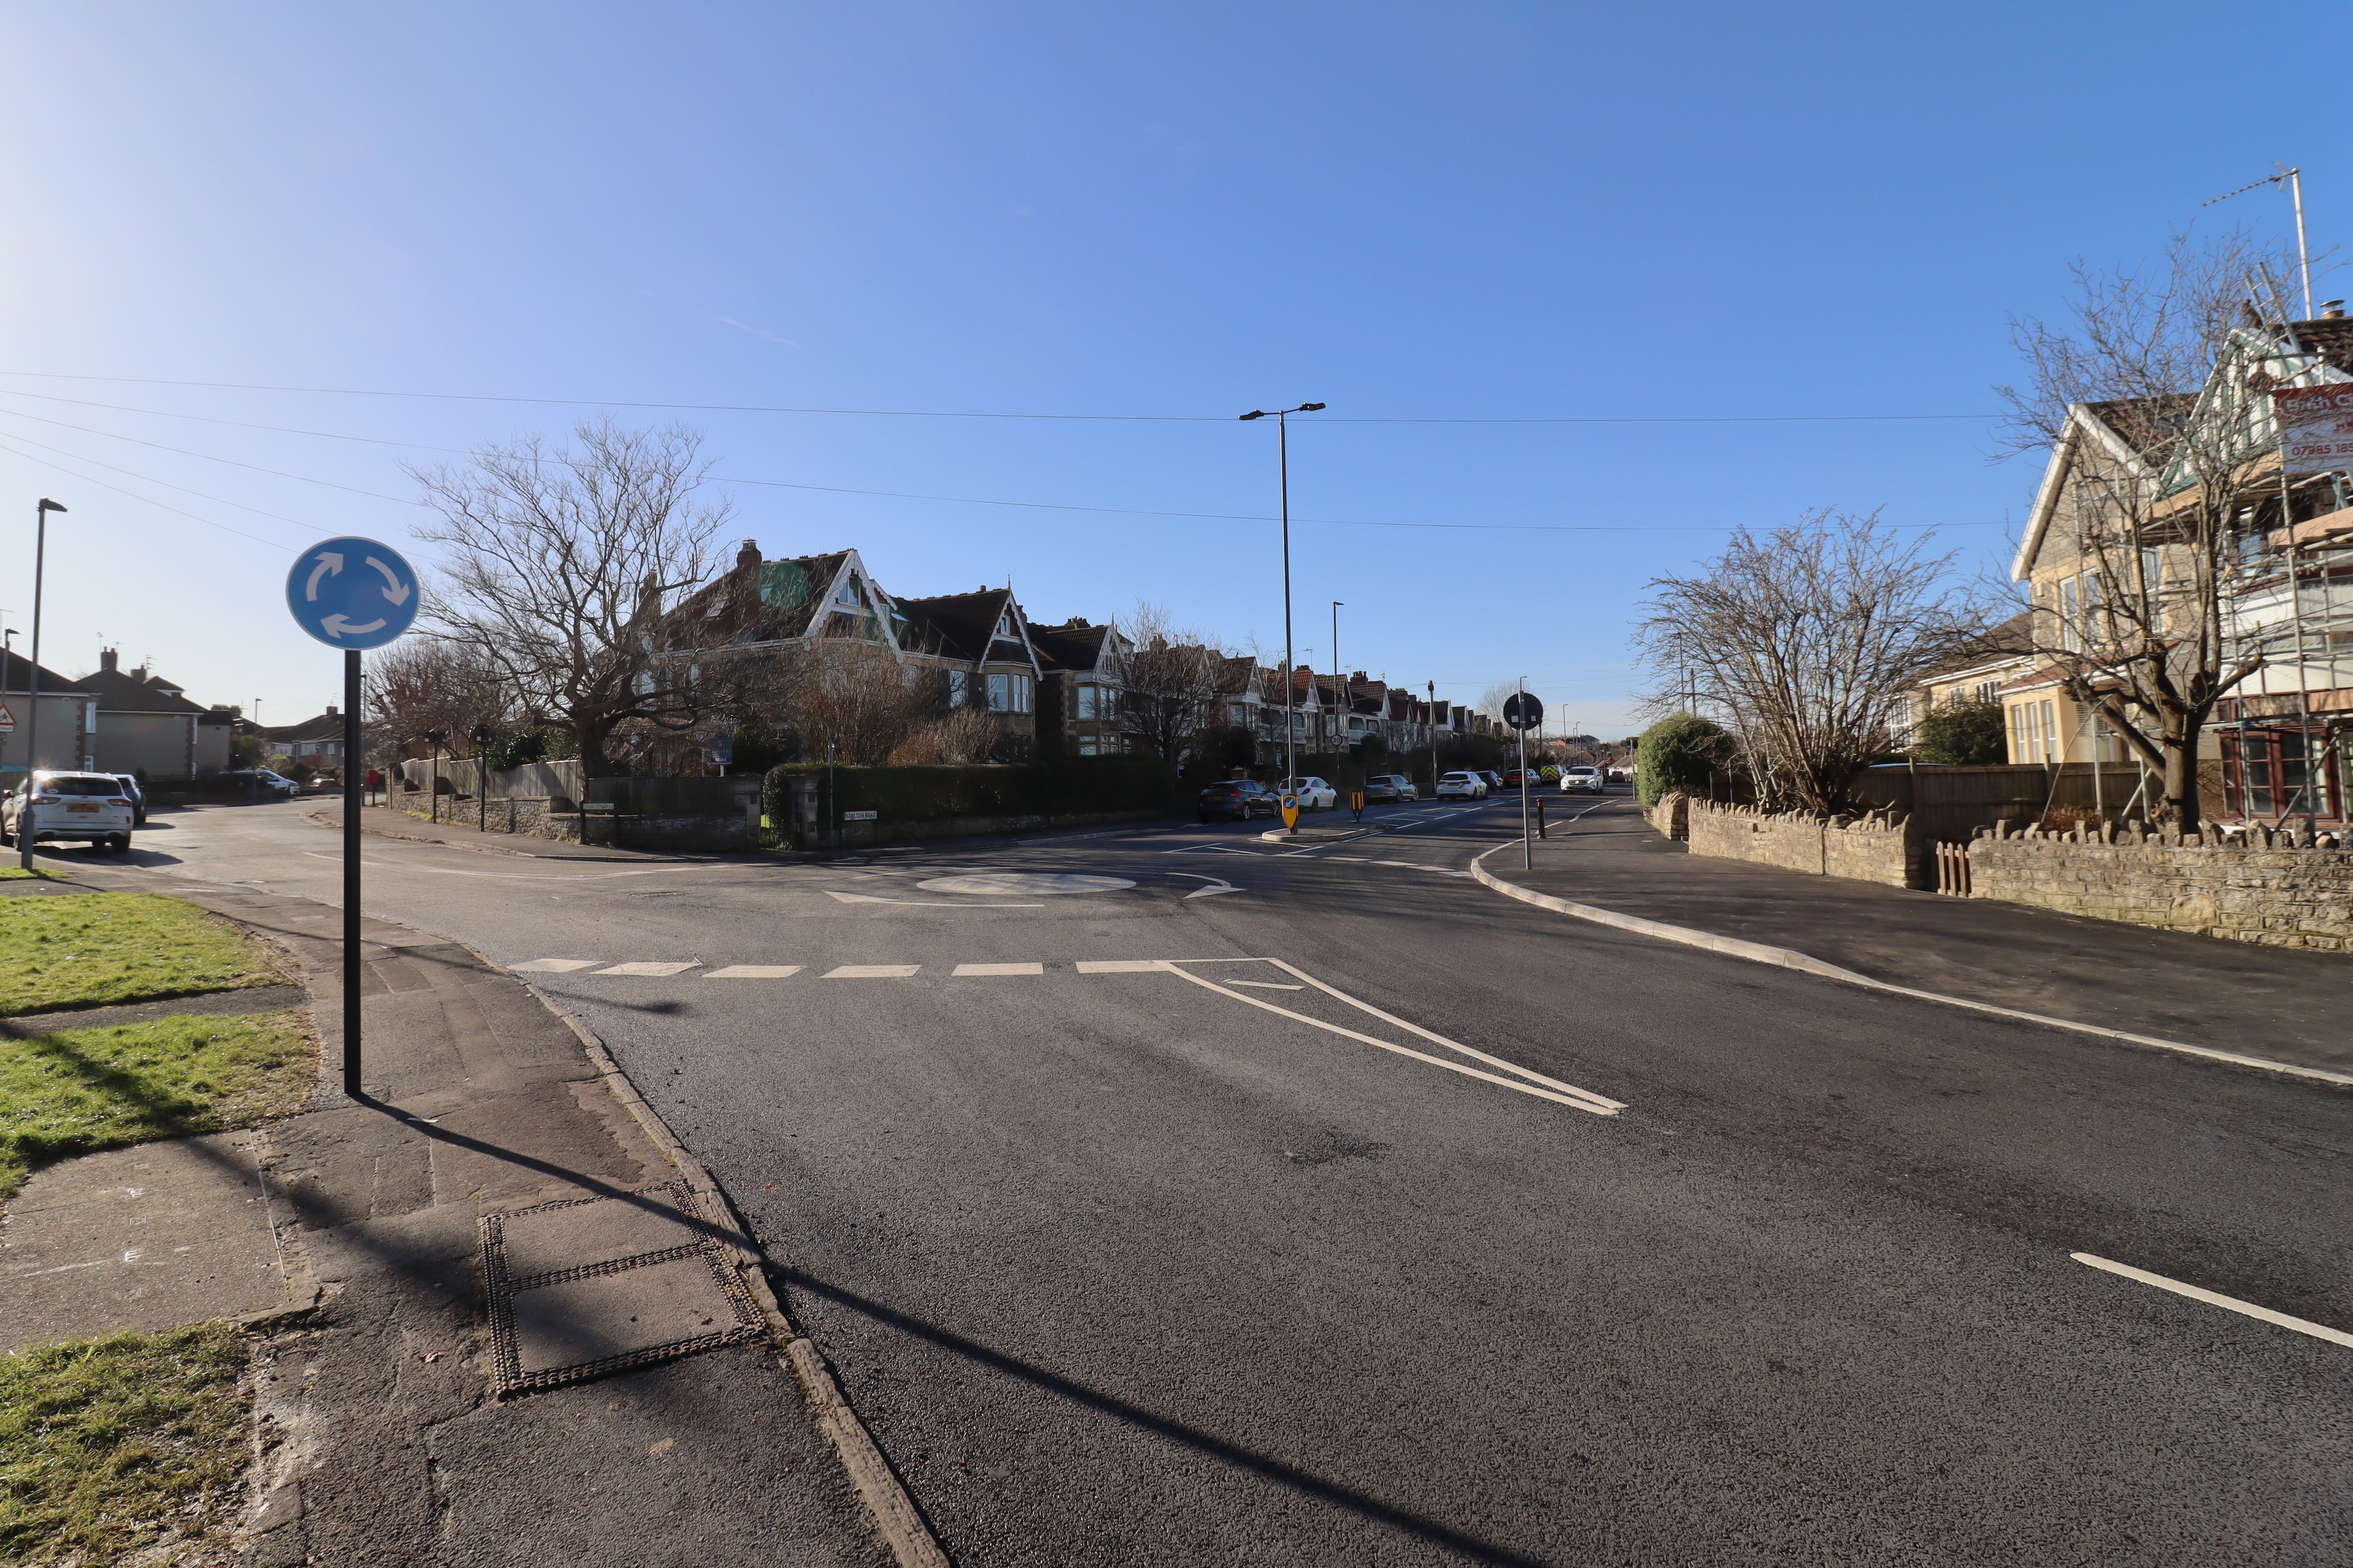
(1461,786)
(265,785)
(130,783)
(1494,780)
(1240,799)
(1582,780)
(1514,777)
(49,807)
(1313,793)
(1390,787)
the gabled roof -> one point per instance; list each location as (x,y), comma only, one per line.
(2008,641)
(325,727)
(20,670)
(968,625)
(2132,433)
(120,693)
(1073,646)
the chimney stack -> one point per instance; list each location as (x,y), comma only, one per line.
(2332,309)
(331,710)
(749,556)
(106,660)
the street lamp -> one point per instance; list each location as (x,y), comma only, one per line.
(1339,684)
(1290,675)
(1433,739)
(33,682)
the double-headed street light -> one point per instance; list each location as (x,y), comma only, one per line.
(1290,676)
(33,682)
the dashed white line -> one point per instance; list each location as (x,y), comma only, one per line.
(871,972)
(752,972)
(650,970)
(2214,1298)
(992,970)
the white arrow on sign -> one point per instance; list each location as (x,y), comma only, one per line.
(329,562)
(1220,886)
(335,625)
(394,588)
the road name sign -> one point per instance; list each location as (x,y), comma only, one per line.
(352,593)
(859,816)
(1523,712)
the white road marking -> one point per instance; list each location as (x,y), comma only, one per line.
(978,969)
(554,965)
(2213,1298)
(1122,965)
(871,972)
(1016,884)
(649,969)
(1355,860)
(1400,1051)
(920,904)
(1216,885)
(1266,986)
(752,972)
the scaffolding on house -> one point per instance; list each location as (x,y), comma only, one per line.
(2298,761)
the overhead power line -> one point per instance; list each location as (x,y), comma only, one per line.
(978,414)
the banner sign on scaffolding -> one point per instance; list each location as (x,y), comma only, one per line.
(2315,424)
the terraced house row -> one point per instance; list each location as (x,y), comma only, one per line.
(1075,688)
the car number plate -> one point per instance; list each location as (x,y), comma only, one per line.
(81,808)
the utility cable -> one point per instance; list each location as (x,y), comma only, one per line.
(970,414)
(118,490)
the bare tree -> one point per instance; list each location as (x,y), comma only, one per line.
(421,685)
(1171,683)
(861,702)
(560,569)
(1799,644)
(960,735)
(2150,390)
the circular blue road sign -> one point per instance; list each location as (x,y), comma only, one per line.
(352,593)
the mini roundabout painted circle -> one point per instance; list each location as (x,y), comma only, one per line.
(1009,884)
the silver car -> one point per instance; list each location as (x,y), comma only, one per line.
(1587,780)
(50,807)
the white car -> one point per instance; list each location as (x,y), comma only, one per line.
(1466,786)
(1588,780)
(1313,793)
(50,806)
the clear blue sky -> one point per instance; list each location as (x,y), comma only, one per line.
(1438,213)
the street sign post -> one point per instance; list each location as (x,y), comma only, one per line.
(1291,811)
(8,720)
(1523,713)
(352,593)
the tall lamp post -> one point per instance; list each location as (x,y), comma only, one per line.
(1339,686)
(1433,739)
(1290,675)
(33,680)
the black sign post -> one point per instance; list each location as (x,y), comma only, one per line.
(1523,713)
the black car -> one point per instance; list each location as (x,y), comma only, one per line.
(137,796)
(1241,799)
(262,783)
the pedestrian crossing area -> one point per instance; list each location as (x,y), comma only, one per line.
(664,969)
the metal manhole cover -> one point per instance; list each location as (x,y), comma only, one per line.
(585,1287)
(999,884)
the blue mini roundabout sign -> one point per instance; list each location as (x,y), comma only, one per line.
(352,593)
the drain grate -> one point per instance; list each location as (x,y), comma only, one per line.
(650,1285)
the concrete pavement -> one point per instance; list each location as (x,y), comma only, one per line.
(1133,1243)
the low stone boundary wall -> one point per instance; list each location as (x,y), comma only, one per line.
(1671,816)
(1879,847)
(538,817)
(2279,889)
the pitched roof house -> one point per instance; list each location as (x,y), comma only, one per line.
(147,726)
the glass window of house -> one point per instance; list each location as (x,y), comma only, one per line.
(956,687)
(2067,624)
(1000,693)
(1021,694)
(1086,701)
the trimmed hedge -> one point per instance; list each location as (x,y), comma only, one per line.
(1063,786)
(1677,753)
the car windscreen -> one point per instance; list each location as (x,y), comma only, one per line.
(80,787)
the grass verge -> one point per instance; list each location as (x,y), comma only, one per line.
(79,1090)
(121,1446)
(100,948)
(16,873)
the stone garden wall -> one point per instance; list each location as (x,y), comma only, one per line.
(1876,848)
(2280,890)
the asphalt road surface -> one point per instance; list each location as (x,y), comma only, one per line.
(1170,1196)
